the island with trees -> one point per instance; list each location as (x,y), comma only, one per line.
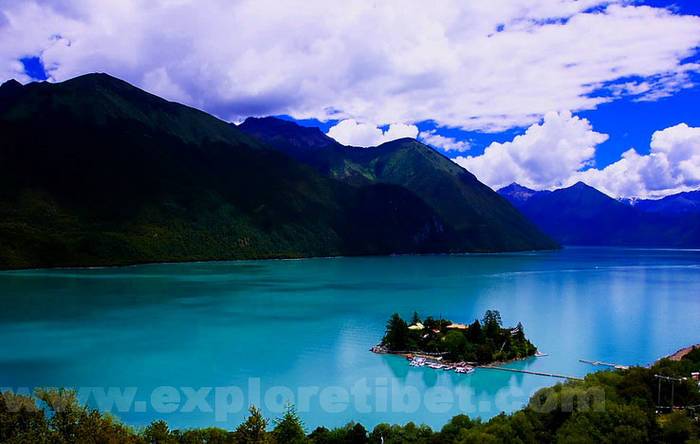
(444,344)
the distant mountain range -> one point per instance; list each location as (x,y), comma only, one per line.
(582,215)
(94,171)
(682,203)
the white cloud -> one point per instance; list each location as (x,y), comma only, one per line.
(159,82)
(470,64)
(560,152)
(352,133)
(547,155)
(672,166)
(399,131)
(432,138)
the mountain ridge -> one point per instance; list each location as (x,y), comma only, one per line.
(686,202)
(516,193)
(94,171)
(468,205)
(582,215)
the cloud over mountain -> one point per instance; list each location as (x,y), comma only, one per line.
(352,133)
(560,151)
(546,156)
(432,138)
(672,166)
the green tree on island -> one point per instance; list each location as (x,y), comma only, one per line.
(396,337)
(482,342)
(492,323)
(415,319)
(474,332)
(455,344)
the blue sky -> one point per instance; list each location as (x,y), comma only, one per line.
(34,68)
(544,92)
(630,124)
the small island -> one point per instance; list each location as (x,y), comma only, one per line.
(447,345)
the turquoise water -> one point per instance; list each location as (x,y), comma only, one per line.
(268,332)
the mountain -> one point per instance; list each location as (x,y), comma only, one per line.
(582,215)
(517,194)
(579,215)
(482,219)
(94,171)
(306,144)
(294,138)
(681,203)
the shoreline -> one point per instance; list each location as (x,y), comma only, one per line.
(680,353)
(127,264)
(433,356)
(378,349)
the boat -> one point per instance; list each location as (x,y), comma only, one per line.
(464,370)
(417,362)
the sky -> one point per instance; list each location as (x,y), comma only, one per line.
(544,93)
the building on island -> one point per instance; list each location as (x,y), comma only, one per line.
(455,326)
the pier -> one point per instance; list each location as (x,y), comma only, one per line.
(605,364)
(530,372)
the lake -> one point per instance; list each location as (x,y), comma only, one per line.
(195,343)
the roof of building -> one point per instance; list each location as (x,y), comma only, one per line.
(458,326)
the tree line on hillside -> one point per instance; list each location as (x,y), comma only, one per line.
(626,413)
(483,342)
(170,183)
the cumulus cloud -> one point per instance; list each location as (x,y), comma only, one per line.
(560,151)
(434,139)
(352,133)
(469,64)
(672,166)
(547,155)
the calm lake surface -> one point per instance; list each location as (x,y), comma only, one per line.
(222,335)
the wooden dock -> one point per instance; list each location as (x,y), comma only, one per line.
(530,372)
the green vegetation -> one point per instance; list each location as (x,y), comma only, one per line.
(94,171)
(483,342)
(480,219)
(607,407)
